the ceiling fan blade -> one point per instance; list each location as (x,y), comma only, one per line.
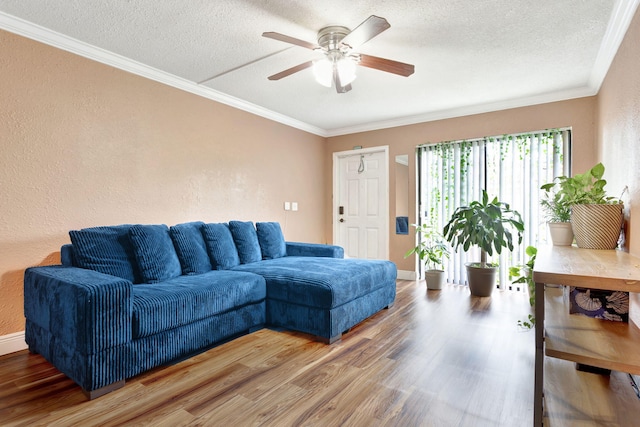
(371,27)
(387,65)
(291,70)
(338,83)
(344,89)
(289,39)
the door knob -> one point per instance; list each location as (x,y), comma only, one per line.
(341,220)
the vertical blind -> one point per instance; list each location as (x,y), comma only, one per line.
(511,167)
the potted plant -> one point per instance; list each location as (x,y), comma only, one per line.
(596,218)
(430,249)
(487,224)
(524,274)
(558,215)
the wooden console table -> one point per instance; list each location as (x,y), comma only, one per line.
(600,343)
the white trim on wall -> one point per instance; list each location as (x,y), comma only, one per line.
(32,31)
(621,16)
(407,275)
(623,13)
(12,343)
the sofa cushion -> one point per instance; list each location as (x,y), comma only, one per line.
(185,299)
(246,239)
(190,247)
(222,251)
(271,240)
(154,251)
(322,282)
(106,249)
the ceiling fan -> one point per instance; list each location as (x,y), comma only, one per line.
(339,44)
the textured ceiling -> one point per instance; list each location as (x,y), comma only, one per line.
(469,56)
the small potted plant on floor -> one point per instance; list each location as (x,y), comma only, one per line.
(487,224)
(596,218)
(558,215)
(430,249)
(524,274)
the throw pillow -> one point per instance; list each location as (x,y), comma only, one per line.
(154,251)
(107,250)
(271,240)
(190,247)
(246,239)
(222,250)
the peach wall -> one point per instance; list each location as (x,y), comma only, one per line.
(84,144)
(578,113)
(619,130)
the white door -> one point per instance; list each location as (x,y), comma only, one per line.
(361,202)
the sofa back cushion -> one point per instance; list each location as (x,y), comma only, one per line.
(222,251)
(154,252)
(271,240)
(246,240)
(107,250)
(190,247)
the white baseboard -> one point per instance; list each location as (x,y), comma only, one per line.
(12,343)
(407,275)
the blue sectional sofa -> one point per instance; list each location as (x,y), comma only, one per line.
(129,298)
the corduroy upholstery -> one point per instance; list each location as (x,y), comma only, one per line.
(321,282)
(220,246)
(185,299)
(190,247)
(246,240)
(314,249)
(107,250)
(95,320)
(156,257)
(271,240)
(324,296)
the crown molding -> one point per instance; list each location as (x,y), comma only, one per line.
(621,17)
(38,33)
(564,95)
(623,13)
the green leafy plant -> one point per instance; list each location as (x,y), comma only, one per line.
(556,209)
(524,274)
(487,224)
(585,188)
(431,248)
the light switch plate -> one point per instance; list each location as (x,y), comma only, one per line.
(294,206)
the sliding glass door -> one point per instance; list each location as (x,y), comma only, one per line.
(511,167)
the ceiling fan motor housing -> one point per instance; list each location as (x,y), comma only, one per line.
(329,38)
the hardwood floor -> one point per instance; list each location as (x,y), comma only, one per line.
(437,358)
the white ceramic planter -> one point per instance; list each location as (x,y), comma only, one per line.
(434,279)
(561,233)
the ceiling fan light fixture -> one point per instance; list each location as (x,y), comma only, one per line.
(323,71)
(346,68)
(340,46)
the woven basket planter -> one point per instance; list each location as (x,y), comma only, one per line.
(597,226)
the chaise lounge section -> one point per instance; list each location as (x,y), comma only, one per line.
(129,298)
(324,296)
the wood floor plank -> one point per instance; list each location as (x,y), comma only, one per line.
(436,358)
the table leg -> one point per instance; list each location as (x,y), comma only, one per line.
(539,361)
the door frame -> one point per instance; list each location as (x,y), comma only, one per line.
(336,176)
